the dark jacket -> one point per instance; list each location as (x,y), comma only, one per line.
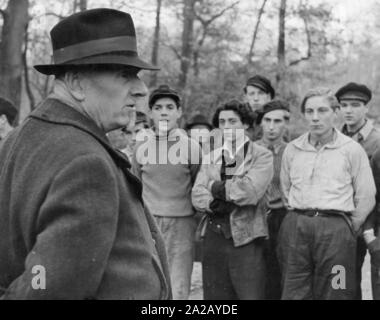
(69,203)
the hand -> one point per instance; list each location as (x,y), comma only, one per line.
(221,207)
(213,173)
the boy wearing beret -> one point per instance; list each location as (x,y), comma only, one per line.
(274,120)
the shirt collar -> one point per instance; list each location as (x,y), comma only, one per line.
(276,147)
(303,141)
(363,132)
(227,147)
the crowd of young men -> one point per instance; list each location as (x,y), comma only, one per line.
(277,219)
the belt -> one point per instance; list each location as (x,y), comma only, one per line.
(320,213)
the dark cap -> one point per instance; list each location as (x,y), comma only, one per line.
(8,109)
(271,106)
(164,91)
(261,83)
(354,91)
(198,119)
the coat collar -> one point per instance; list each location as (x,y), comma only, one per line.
(55,111)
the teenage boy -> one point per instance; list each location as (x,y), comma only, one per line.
(229,189)
(168,176)
(328,186)
(274,120)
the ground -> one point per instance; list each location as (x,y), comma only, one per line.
(197,293)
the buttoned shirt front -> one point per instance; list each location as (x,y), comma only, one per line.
(336,177)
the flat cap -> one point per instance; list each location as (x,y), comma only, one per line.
(164,91)
(354,91)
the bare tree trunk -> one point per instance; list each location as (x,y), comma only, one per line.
(11,49)
(187,43)
(156,42)
(28,88)
(281,47)
(255,32)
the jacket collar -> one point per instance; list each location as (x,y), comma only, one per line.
(364,131)
(303,142)
(55,111)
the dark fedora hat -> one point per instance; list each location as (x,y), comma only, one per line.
(277,104)
(94,37)
(354,91)
(198,119)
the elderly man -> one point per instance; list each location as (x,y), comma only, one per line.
(354,99)
(72,222)
(8,114)
(328,185)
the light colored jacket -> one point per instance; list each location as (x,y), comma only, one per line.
(246,189)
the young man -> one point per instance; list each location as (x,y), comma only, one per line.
(354,99)
(229,189)
(72,220)
(274,120)
(371,231)
(168,176)
(8,114)
(328,185)
(257,92)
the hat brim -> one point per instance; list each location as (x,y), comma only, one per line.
(132,61)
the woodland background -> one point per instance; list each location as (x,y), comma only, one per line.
(208,48)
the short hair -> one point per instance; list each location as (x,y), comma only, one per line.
(241,109)
(8,109)
(321,92)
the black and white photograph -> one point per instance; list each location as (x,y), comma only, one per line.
(189,150)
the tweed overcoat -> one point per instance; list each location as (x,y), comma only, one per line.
(72,221)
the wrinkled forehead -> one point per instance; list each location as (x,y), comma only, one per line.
(319,101)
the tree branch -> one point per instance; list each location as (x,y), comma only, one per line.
(26,72)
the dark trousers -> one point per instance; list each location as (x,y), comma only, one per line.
(361,251)
(375,281)
(232,273)
(273,281)
(317,256)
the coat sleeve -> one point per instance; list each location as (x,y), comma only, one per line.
(364,187)
(200,195)
(76,228)
(251,187)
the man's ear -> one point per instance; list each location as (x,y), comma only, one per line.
(179,112)
(74,82)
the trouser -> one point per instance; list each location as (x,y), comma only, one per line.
(232,273)
(317,256)
(178,234)
(273,280)
(361,251)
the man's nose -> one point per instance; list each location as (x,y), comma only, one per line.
(271,125)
